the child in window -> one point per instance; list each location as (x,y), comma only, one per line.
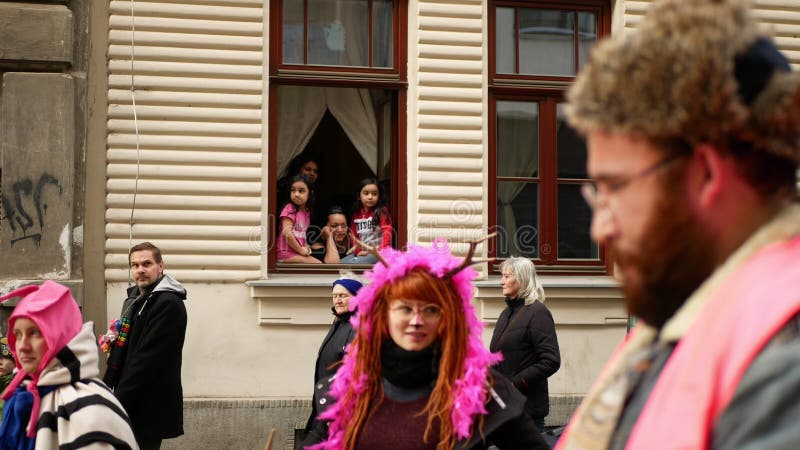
(295,218)
(372,222)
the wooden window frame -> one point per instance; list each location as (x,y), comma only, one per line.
(393,79)
(395,73)
(547,91)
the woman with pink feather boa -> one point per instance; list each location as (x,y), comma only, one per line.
(417,375)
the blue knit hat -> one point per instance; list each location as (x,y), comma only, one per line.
(350,284)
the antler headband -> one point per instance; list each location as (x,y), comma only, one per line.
(467,262)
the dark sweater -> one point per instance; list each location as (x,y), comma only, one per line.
(383,429)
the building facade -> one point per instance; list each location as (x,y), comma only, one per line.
(454,106)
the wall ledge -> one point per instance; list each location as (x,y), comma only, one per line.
(304,299)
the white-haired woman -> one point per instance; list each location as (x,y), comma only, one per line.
(526,336)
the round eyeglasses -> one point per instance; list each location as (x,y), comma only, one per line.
(426,312)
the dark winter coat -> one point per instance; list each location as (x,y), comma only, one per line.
(505,425)
(526,336)
(331,352)
(149,378)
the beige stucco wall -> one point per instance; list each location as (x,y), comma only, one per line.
(228,354)
(265,345)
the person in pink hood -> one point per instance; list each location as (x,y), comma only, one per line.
(56,400)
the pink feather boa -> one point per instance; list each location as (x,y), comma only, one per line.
(469,391)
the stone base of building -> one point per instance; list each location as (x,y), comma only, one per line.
(230,424)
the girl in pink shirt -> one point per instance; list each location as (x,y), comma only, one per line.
(295,218)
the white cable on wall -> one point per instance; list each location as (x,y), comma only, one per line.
(136,133)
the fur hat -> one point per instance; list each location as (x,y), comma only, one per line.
(700,71)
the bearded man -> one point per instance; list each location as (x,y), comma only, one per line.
(693,130)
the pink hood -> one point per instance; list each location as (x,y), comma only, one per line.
(54,311)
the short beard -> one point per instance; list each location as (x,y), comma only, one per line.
(673,260)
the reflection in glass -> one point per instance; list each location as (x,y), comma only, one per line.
(571,148)
(338,32)
(574,224)
(587,35)
(517,139)
(546,42)
(382,33)
(292,32)
(517,219)
(505,45)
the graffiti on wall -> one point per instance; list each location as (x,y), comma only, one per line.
(25,207)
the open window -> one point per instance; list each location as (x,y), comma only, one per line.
(337,83)
(537,162)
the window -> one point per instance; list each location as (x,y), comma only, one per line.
(537,161)
(350,35)
(337,86)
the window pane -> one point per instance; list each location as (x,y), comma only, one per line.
(504,40)
(574,222)
(382,33)
(517,139)
(517,219)
(571,148)
(338,32)
(587,36)
(385,140)
(292,32)
(546,42)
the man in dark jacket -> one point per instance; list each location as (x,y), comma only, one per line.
(144,367)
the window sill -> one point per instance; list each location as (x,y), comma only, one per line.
(304,299)
(283,269)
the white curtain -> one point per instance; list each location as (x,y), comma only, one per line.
(300,109)
(338,32)
(354,111)
(517,155)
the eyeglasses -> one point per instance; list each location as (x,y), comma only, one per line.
(596,193)
(341,296)
(426,312)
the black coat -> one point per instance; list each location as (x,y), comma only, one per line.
(526,336)
(149,378)
(331,352)
(505,425)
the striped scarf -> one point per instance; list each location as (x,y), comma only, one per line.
(117,356)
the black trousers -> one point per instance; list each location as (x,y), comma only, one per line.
(148,443)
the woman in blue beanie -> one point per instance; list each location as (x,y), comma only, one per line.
(339,335)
